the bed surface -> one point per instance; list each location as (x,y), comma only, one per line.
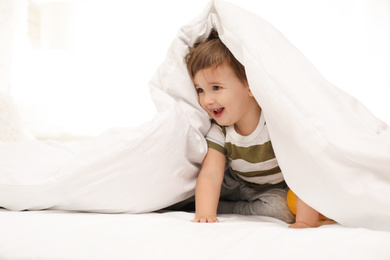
(73,235)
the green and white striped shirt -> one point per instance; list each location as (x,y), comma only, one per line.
(251,157)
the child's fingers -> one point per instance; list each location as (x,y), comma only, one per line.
(300,225)
(210,220)
(205,220)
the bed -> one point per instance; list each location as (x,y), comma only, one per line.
(104,199)
(57,234)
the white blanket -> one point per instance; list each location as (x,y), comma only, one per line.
(333,152)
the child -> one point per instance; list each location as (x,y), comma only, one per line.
(253,183)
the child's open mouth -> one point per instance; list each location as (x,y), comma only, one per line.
(218,112)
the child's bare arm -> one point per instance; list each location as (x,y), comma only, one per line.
(208,186)
(306,216)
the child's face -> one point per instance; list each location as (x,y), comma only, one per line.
(224,97)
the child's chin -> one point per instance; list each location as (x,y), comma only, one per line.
(220,122)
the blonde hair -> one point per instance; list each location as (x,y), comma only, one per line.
(212,53)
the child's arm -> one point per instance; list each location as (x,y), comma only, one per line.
(306,216)
(208,186)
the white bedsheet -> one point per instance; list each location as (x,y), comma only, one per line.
(55,235)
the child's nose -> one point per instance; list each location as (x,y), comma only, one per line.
(209,99)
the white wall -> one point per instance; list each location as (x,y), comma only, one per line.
(11,19)
(100,79)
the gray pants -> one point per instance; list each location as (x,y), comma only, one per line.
(238,198)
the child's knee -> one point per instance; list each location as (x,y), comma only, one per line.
(275,202)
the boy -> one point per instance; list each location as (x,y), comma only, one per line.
(253,184)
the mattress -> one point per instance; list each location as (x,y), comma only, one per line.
(57,234)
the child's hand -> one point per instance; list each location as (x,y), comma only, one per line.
(205,219)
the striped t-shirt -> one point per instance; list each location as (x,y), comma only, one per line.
(251,157)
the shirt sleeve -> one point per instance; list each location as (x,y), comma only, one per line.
(216,139)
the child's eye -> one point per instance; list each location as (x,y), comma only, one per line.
(216,87)
(199,90)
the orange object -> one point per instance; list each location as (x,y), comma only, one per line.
(292,201)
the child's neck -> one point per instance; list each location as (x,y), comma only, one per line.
(248,124)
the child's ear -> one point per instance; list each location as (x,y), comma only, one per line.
(249,90)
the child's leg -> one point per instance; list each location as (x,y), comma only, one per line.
(231,186)
(292,204)
(270,203)
(237,198)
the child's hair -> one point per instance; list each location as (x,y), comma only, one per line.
(212,53)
